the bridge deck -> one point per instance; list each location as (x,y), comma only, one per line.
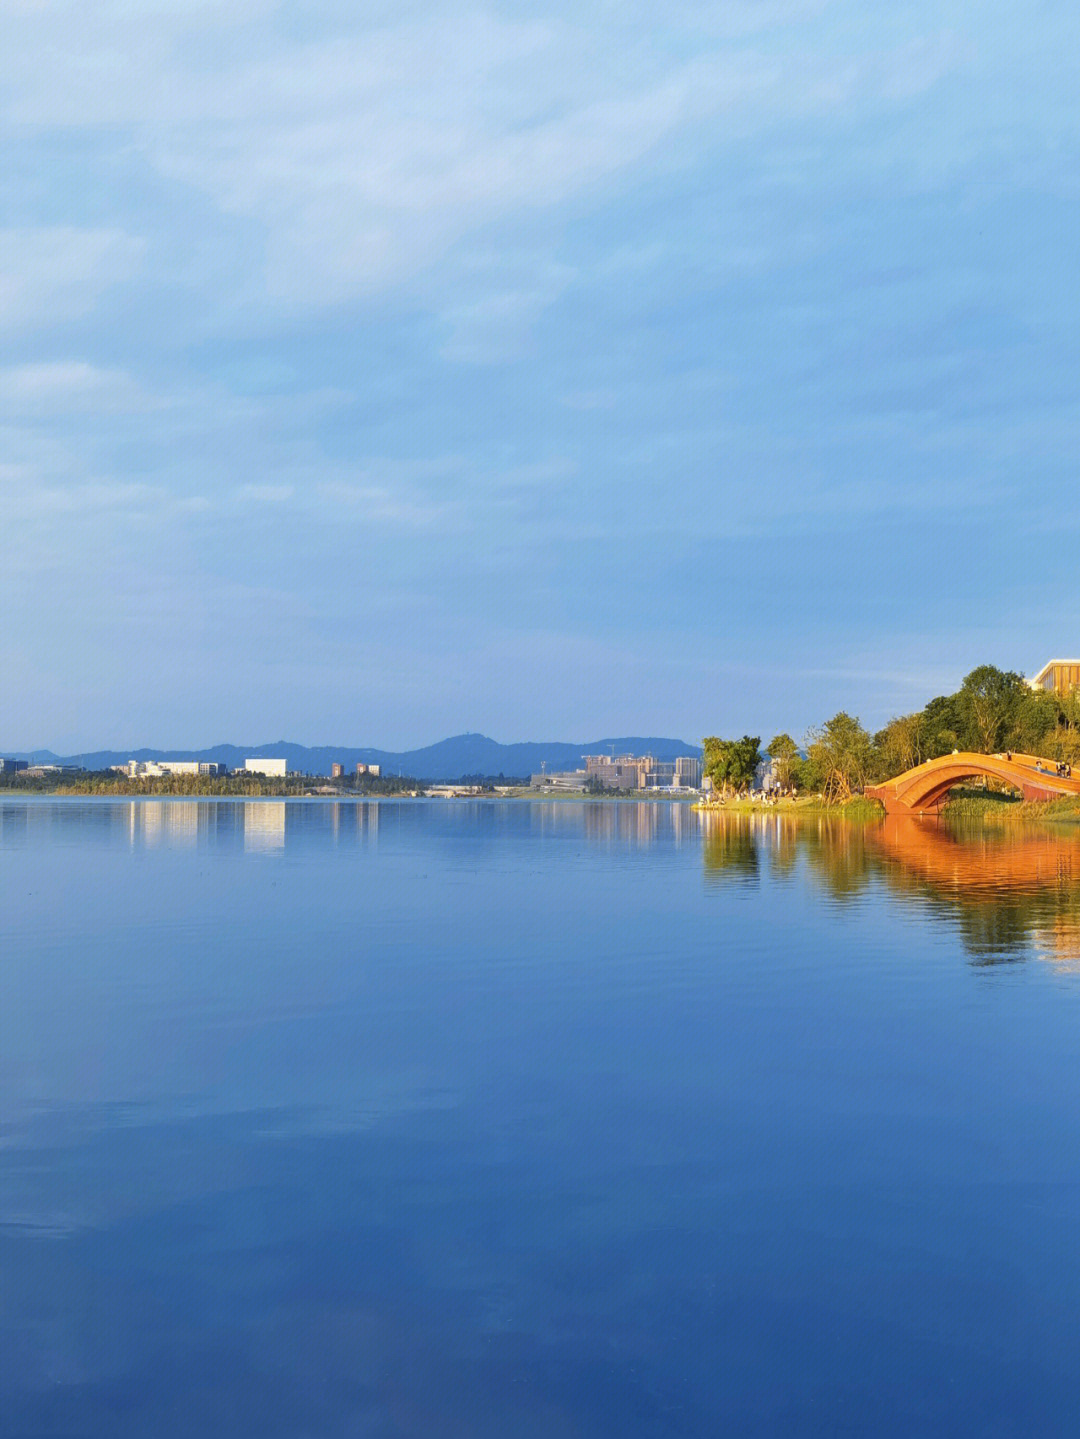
(925,788)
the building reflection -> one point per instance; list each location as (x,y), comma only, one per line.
(264,825)
(1008,892)
(256,826)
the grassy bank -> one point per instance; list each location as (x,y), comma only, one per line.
(185,786)
(857,808)
(1007,809)
(968,806)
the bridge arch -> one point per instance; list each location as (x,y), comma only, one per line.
(925,788)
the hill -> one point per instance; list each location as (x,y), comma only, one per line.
(447,760)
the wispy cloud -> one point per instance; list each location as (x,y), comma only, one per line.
(51,273)
(48,390)
(544,326)
(364,156)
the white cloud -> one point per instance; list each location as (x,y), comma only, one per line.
(494,321)
(365,155)
(58,388)
(265,494)
(87,499)
(381,505)
(51,274)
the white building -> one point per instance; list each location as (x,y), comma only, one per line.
(273,767)
(156,768)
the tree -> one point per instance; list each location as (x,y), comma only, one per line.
(1063,740)
(783,751)
(991,698)
(943,719)
(840,752)
(900,745)
(1036,719)
(730,763)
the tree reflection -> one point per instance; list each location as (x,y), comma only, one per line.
(731,848)
(1008,892)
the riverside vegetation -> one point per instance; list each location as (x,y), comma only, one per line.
(239,785)
(993,710)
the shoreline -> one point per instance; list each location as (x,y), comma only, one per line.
(989,810)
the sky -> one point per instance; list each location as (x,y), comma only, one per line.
(371,373)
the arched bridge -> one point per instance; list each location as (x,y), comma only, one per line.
(924,789)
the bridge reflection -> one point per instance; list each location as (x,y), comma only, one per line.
(1009,892)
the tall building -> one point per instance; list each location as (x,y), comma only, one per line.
(688,772)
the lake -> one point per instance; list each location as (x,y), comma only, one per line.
(534,1119)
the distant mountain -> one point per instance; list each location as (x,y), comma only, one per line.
(449,759)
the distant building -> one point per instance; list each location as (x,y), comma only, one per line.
(1057,677)
(566,780)
(372,769)
(156,768)
(767,774)
(274,768)
(13,766)
(688,772)
(626,772)
(337,771)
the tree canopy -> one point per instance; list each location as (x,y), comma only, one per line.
(783,751)
(730,763)
(992,711)
(841,753)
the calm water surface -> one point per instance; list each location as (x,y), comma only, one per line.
(422,1119)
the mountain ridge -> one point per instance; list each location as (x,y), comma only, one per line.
(447,759)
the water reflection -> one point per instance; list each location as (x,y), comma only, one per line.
(508,1123)
(256,826)
(264,826)
(1008,892)
(268,827)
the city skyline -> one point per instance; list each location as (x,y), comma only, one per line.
(530,371)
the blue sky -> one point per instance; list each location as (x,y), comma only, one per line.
(371,373)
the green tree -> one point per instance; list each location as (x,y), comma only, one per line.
(783,751)
(730,763)
(1062,739)
(900,746)
(806,775)
(991,699)
(943,720)
(1036,718)
(841,753)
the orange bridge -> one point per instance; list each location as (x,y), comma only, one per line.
(924,789)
